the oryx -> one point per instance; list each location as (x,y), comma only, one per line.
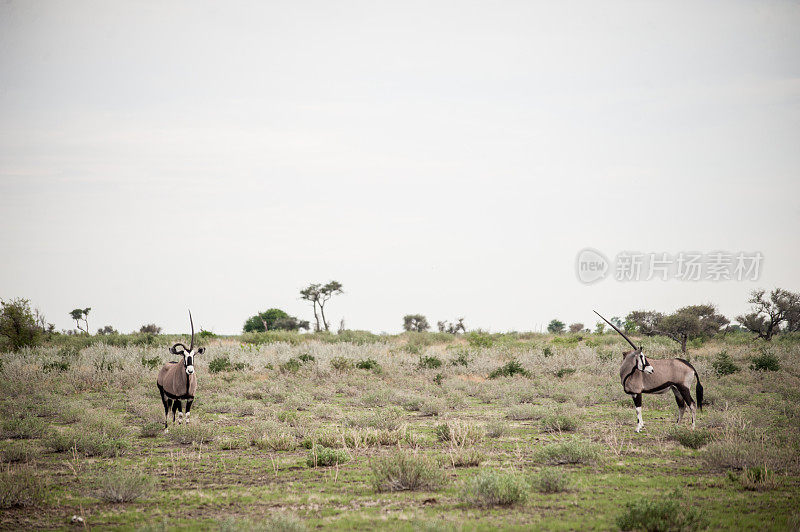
(177,381)
(642,375)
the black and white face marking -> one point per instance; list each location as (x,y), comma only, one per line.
(642,364)
(188,356)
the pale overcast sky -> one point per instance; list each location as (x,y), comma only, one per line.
(444,158)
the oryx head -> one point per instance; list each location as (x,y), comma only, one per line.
(641,361)
(188,354)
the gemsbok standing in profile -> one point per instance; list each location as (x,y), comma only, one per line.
(177,381)
(642,375)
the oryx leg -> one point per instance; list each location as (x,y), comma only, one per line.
(176,404)
(637,402)
(681,403)
(165,400)
(188,407)
(687,396)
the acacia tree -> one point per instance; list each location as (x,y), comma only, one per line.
(452,328)
(319,294)
(767,315)
(273,319)
(694,321)
(150,328)
(415,322)
(18,324)
(555,326)
(576,327)
(81,315)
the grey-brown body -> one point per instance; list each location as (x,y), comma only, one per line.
(674,374)
(640,374)
(177,381)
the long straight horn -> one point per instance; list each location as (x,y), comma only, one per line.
(615,328)
(191,348)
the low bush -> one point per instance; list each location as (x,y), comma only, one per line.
(462,358)
(219,364)
(305,358)
(766,361)
(568,452)
(525,412)
(509,370)
(192,433)
(20,452)
(559,423)
(88,441)
(152,429)
(759,478)
(551,480)
(496,428)
(23,428)
(369,364)
(341,364)
(429,362)
(279,441)
(547,351)
(694,439)
(150,363)
(125,486)
(563,372)
(459,433)
(290,366)
(20,488)
(402,471)
(466,457)
(477,339)
(494,488)
(660,515)
(321,456)
(723,364)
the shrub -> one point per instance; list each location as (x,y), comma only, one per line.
(568,452)
(525,412)
(694,439)
(765,362)
(429,362)
(496,428)
(466,457)
(462,358)
(509,370)
(477,339)
(18,326)
(86,441)
(547,351)
(551,480)
(459,433)
(193,433)
(290,366)
(152,429)
(219,364)
(758,478)
(319,456)
(23,428)
(493,488)
(56,365)
(559,423)
(280,441)
(723,364)
(306,358)
(20,488)
(369,364)
(660,515)
(563,372)
(151,363)
(341,364)
(438,379)
(125,486)
(18,453)
(402,471)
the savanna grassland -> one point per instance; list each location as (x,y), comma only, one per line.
(417,431)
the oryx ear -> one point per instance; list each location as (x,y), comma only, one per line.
(201,350)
